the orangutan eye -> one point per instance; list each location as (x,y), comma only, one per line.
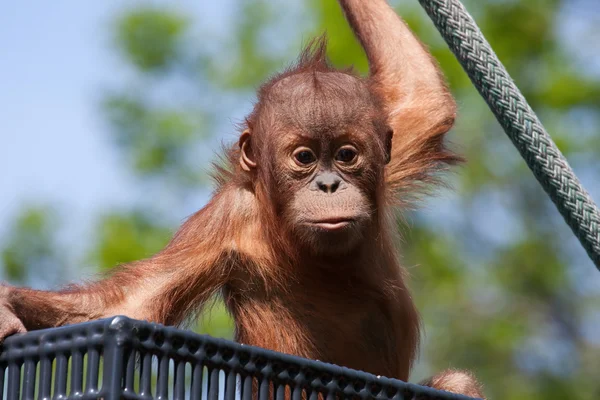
(346,155)
(305,157)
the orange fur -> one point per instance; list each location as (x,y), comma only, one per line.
(455,381)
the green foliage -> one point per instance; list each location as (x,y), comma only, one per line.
(149,38)
(343,49)
(125,237)
(215,320)
(32,242)
(156,139)
(249,62)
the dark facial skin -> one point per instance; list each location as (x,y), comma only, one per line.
(329,208)
(328,152)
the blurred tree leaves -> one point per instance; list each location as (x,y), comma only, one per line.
(149,37)
(343,49)
(128,236)
(33,243)
(156,139)
(249,61)
(496,273)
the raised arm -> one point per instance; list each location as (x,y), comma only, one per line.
(420,109)
(165,288)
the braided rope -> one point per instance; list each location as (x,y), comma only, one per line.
(519,121)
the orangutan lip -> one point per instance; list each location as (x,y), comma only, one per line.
(332,224)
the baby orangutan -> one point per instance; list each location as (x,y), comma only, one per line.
(299,235)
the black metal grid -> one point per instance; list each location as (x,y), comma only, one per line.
(122,358)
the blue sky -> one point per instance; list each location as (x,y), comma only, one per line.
(55,60)
(54,56)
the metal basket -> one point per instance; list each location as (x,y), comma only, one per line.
(121,358)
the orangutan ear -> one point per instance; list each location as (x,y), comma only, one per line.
(246,154)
